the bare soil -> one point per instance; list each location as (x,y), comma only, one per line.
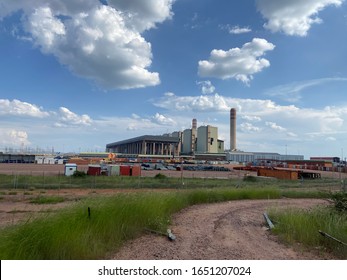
(16,206)
(230,230)
(233,230)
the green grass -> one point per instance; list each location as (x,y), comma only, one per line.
(295,225)
(29,182)
(71,234)
(47,199)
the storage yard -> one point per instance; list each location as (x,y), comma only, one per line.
(50,170)
(189,171)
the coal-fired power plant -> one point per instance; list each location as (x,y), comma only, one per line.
(232,129)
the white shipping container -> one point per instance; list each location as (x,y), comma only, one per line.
(70,168)
(113,170)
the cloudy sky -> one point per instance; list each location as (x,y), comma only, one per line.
(76,75)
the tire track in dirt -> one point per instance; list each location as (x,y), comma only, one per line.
(228,230)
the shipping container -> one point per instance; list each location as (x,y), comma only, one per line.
(135,170)
(113,170)
(70,168)
(94,170)
(125,170)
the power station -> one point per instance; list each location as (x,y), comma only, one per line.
(197,142)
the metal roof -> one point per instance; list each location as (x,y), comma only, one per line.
(147,138)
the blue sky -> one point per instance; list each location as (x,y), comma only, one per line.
(76,75)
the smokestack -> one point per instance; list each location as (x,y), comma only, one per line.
(194,124)
(232,129)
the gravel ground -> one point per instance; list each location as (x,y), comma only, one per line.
(232,230)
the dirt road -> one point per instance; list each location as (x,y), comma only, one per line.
(230,230)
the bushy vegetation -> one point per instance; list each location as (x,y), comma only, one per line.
(79,174)
(160,176)
(297,225)
(340,201)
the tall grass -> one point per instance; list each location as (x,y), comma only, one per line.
(47,199)
(295,225)
(73,234)
(17,181)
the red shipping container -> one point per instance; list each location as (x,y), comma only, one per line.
(124,170)
(94,170)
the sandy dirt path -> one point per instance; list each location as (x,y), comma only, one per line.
(230,230)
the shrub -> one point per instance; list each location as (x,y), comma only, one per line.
(80,174)
(250,179)
(160,176)
(340,201)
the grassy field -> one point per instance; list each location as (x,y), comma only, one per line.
(303,226)
(76,233)
(28,182)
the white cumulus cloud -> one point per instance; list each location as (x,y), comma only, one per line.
(239,30)
(13,137)
(275,126)
(143,15)
(251,118)
(163,120)
(101,42)
(237,63)
(20,108)
(248,127)
(294,17)
(68,118)
(206,87)
(202,103)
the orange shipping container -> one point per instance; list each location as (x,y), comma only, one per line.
(136,170)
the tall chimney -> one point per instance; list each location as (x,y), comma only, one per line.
(232,129)
(194,123)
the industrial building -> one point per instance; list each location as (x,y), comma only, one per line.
(147,145)
(207,139)
(196,140)
(16,158)
(201,140)
(189,139)
(245,157)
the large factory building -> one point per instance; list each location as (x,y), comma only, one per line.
(202,140)
(147,145)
